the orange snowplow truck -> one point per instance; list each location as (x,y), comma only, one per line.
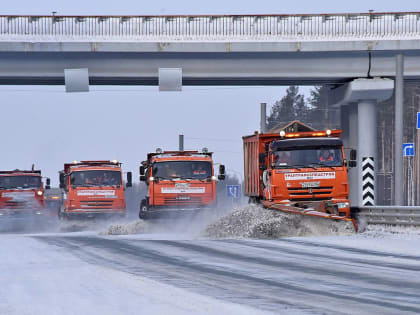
(178,182)
(300,172)
(22,194)
(93,189)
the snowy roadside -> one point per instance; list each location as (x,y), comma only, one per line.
(37,278)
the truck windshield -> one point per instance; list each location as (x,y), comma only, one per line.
(182,169)
(308,157)
(95,178)
(21,182)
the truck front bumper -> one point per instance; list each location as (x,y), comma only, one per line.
(94,214)
(164,212)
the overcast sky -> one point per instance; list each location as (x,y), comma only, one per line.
(45,126)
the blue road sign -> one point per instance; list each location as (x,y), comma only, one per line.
(408,149)
(233,191)
(418,120)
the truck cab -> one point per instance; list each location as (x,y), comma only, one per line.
(21,194)
(93,189)
(178,181)
(299,169)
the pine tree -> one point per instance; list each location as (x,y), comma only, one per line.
(291,107)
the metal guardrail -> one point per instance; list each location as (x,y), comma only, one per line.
(216,27)
(393,215)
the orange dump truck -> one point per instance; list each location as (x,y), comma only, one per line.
(93,189)
(300,172)
(178,181)
(22,195)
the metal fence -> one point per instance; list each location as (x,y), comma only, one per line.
(393,215)
(222,28)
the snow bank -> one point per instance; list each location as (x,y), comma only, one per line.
(188,225)
(256,222)
(381,230)
(124,229)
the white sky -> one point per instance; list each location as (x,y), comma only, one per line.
(45,126)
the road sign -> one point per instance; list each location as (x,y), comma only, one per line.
(418,120)
(408,149)
(233,191)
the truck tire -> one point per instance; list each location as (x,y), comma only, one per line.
(143,209)
(60,213)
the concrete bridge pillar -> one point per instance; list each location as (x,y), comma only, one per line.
(367,146)
(361,97)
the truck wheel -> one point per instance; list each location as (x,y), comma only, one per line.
(60,214)
(143,209)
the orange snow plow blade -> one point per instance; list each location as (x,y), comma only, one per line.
(310,211)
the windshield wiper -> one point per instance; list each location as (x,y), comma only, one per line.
(204,179)
(297,166)
(323,165)
(84,185)
(161,177)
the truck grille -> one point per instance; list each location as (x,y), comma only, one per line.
(181,201)
(96,203)
(316,193)
(15,204)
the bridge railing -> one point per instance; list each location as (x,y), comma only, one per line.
(221,28)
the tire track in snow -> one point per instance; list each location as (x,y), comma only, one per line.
(368,262)
(265,289)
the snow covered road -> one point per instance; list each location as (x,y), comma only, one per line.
(154,274)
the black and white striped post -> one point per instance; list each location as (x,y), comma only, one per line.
(368,181)
(367,151)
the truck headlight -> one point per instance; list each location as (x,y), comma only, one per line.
(39,193)
(341,205)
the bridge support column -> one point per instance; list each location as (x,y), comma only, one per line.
(367,145)
(399,128)
(365,94)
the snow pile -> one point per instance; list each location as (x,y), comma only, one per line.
(75,226)
(382,230)
(256,222)
(136,227)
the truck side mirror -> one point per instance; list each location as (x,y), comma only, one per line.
(48,185)
(353,155)
(141,170)
(261,158)
(129,179)
(142,178)
(221,169)
(221,172)
(62,185)
(352,163)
